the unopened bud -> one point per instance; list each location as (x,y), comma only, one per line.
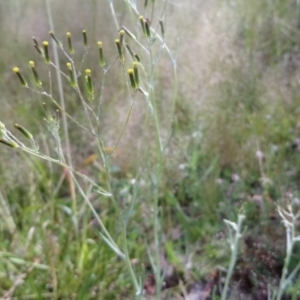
(141,18)
(136,74)
(21,78)
(101,57)
(137,57)
(2,130)
(120,51)
(59,44)
(71,75)
(70,45)
(162,28)
(85,41)
(35,74)
(130,50)
(37,46)
(11,144)
(147,28)
(131,77)
(24,131)
(89,84)
(122,32)
(130,34)
(46,52)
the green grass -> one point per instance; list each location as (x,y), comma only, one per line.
(211,136)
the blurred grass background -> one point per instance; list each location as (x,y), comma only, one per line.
(235,142)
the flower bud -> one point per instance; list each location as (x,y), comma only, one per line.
(122,32)
(162,28)
(130,34)
(35,74)
(24,131)
(131,77)
(85,41)
(130,50)
(2,130)
(89,84)
(101,57)
(59,44)
(70,45)
(71,75)
(137,58)
(141,18)
(37,46)
(21,78)
(10,143)
(147,29)
(46,52)
(136,74)
(120,51)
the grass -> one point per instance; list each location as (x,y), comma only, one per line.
(127,194)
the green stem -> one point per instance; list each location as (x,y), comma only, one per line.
(234,245)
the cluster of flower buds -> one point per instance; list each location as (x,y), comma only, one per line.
(8,139)
(133,72)
(5,139)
